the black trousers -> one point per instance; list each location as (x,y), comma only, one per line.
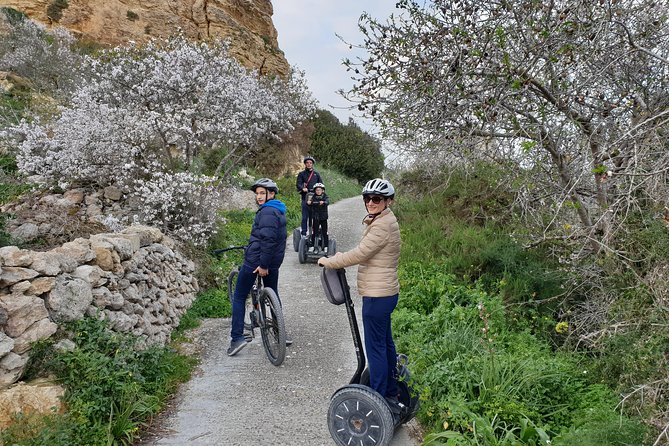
(320,226)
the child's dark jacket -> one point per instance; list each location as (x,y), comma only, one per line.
(320,211)
(267,243)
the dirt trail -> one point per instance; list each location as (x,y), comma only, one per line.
(244,400)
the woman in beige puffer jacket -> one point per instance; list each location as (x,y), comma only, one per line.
(377,256)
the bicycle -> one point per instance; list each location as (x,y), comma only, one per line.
(263,311)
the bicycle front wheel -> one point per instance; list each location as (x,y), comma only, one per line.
(272,326)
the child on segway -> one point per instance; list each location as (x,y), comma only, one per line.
(318,209)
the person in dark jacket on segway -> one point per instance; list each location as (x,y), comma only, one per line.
(263,256)
(319,203)
(306,180)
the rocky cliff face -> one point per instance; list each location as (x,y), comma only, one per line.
(247,23)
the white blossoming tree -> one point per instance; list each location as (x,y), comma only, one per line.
(148,112)
(573,93)
(167,103)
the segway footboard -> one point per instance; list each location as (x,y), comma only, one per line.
(407,396)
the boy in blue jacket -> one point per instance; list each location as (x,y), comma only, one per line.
(264,255)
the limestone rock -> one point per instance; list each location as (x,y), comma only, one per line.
(20,287)
(12,361)
(92,274)
(52,263)
(74,196)
(147,234)
(123,245)
(248,24)
(13,256)
(39,397)
(6,344)
(146,289)
(112,193)
(79,250)
(26,231)
(69,298)
(104,258)
(42,329)
(23,311)
(13,274)
(41,285)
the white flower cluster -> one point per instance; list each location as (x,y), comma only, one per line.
(169,101)
(182,204)
(159,108)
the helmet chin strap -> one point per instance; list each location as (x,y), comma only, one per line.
(373,216)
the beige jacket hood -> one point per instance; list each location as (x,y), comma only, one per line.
(377,256)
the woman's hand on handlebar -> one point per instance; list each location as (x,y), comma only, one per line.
(262,272)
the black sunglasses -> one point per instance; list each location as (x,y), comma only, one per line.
(375,199)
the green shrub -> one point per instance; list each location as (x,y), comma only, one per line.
(472,321)
(111,388)
(346,148)
(13,16)
(55,9)
(615,431)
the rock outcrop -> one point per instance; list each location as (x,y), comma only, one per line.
(40,397)
(247,23)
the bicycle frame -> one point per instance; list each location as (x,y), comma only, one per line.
(255,314)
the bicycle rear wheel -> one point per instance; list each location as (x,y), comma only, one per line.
(272,326)
(232,284)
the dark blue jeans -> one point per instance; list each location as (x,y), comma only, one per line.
(245,280)
(381,353)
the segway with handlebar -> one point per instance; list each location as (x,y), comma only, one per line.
(306,252)
(358,415)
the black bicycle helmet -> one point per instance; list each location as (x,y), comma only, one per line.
(309,158)
(379,186)
(267,184)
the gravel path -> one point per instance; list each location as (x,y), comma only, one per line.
(244,400)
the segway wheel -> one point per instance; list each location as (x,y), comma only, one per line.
(332,247)
(358,416)
(302,250)
(297,235)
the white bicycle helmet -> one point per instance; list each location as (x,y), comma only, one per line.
(321,185)
(379,186)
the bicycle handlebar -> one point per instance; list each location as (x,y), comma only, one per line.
(220,251)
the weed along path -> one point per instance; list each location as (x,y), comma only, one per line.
(244,400)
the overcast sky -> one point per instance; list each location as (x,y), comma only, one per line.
(307,35)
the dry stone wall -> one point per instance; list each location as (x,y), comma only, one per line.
(135,279)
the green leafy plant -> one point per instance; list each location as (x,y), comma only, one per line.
(111,388)
(482,431)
